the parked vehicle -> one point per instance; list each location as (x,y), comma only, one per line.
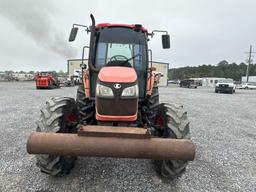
(239,86)
(248,86)
(225,86)
(171,82)
(68,83)
(76,80)
(47,79)
(189,83)
(198,82)
(12,78)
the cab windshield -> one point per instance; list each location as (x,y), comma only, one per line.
(120,44)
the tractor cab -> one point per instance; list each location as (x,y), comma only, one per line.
(118,77)
(120,56)
(121,46)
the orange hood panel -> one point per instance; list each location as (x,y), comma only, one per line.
(117,74)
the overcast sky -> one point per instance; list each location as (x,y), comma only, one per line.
(34,33)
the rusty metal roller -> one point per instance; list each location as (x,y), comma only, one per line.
(75,145)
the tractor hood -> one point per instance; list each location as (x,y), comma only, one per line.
(117,94)
(117,75)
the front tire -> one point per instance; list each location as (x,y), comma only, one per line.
(85,106)
(60,115)
(174,125)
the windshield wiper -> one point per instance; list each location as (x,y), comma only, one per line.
(130,59)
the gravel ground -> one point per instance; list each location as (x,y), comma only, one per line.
(223,128)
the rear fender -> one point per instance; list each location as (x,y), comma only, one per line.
(86,82)
(150,83)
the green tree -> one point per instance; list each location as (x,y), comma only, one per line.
(222,69)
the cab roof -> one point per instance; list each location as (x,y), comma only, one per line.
(132,26)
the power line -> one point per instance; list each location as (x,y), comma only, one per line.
(249,62)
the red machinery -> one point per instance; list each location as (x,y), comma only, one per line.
(47,79)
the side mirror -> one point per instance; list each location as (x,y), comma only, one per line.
(166,41)
(73,34)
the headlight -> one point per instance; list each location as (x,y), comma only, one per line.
(104,91)
(132,91)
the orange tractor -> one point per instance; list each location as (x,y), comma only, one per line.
(117,111)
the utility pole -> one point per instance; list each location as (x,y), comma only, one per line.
(249,62)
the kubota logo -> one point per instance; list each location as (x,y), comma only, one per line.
(117,86)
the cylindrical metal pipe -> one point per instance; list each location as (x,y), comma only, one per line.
(74,145)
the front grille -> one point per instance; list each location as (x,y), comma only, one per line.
(117,106)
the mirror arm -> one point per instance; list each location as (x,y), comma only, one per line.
(157,31)
(79,25)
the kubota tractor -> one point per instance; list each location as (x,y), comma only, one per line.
(116,112)
(47,80)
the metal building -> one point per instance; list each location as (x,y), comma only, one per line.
(210,81)
(73,65)
(163,68)
(251,79)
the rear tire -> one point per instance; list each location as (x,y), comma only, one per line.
(175,125)
(60,115)
(85,107)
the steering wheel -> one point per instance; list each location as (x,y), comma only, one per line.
(117,58)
